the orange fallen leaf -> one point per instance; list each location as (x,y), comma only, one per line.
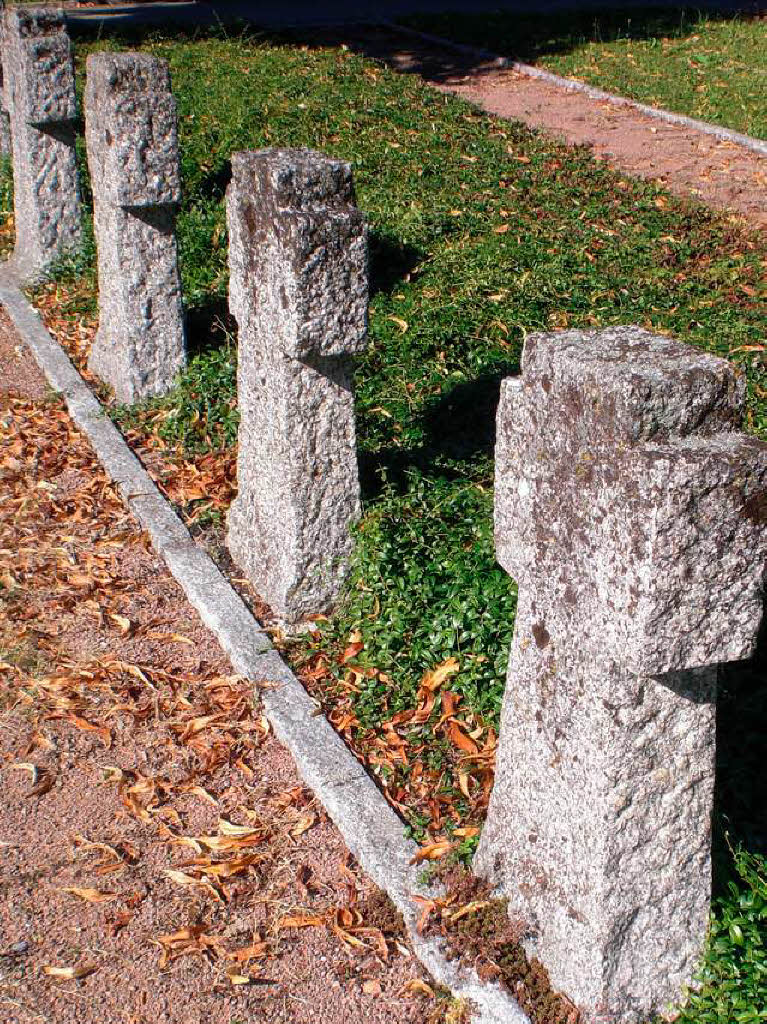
(371,987)
(466,833)
(460,739)
(416,986)
(246,953)
(432,851)
(351,651)
(301,921)
(123,624)
(173,637)
(91,895)
(434,679)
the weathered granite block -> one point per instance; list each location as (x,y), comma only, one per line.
(39,93)
(633,515)
(5,123)
(132,142)
(298,288)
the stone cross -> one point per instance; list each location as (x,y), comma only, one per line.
(132,143)
(633,515)
(39,93)
(298,288)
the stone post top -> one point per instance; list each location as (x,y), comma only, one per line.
(627,383)
(41,74)
(30,22)
(294,179)
(128,72)
(627,495)
(132,130)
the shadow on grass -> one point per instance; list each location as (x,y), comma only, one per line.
(458,426)
(741,782)
(209,325)
(523,36)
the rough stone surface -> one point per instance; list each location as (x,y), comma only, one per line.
(132,143)
(633,515)
(298,288)
(5,123)
(39,93)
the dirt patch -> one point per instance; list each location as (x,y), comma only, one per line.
(687,162)
(160,859)
(478,932)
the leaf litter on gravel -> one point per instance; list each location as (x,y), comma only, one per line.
(189,832)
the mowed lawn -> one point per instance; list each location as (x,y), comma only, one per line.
(481,231)
(684,60)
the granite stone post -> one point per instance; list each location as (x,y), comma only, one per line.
(633,515)
(132,143)
(298,288)
(39,92)
(5,123)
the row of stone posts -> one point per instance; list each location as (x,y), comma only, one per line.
(298,289)
(629,506)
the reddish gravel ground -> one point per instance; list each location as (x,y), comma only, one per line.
(160,860)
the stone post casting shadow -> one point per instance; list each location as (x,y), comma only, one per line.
(632,512)
(39,92)
(299,291)
(132,142)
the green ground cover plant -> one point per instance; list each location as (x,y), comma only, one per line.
(712,67)
(481,231)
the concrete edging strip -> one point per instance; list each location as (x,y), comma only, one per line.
(573,85)
(370,828)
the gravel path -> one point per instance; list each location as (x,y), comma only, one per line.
(685,161)
(160,860)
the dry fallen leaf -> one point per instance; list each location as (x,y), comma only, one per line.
(301,921)
(238,979)
(246,953)
(402,324)
(371,987)
(434,679)
(432,851)
(303,825)
(123,624)
(91,895)
(416,986)
(70,973)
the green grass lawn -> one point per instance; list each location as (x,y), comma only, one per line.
(708,67)
(482,231)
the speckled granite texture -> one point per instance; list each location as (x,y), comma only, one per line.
(39,94)
(298,288)
(632,513)
(5,122)
(132,142)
